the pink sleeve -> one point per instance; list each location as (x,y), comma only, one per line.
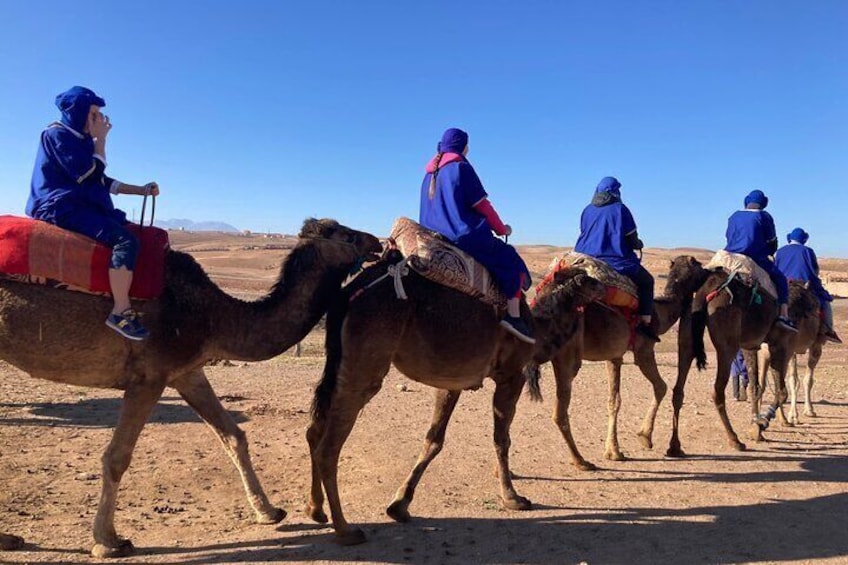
(485,207)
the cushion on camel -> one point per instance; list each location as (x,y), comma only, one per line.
(621,291)
(746,269)
(37,252)
(437,260)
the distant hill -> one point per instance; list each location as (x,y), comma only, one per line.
(189,225)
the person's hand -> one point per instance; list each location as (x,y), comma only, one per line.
(508,231)
(151,189)
(99,125)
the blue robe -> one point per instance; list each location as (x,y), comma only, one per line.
(451,213)
(798,262)
(603,231)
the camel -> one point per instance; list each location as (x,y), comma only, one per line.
(605,336)
(804,308)
(439,337)
(60,336)
(737,317)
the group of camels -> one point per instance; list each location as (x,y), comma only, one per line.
(435,335)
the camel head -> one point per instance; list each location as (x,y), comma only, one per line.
(558,309)
(685,276)
(340,246)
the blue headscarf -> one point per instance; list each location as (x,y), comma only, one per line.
(757,197)
(75,103)
(798,235)
(607,192)
(453,140)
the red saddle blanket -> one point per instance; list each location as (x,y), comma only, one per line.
(40,253)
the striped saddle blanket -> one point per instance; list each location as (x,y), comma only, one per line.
(745,268)
(621,292)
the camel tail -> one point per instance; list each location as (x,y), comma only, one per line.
(333,358)
(699,325)
(532,375)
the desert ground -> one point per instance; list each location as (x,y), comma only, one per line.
(781,501)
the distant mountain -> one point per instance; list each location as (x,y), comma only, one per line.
(189,225)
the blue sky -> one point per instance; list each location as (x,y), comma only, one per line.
(261,114)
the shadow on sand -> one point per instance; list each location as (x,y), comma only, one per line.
(102,413)
(774,531)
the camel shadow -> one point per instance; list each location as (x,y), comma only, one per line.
(771,531)
(809,530)
(101,413)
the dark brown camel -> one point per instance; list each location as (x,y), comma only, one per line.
(804,310)
(605,336)
(439,337)
(60,336)
(737,318)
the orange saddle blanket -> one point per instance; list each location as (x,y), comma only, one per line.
(37,252)
(621,291)
(437,260)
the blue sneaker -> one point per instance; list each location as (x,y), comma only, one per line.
(126,323)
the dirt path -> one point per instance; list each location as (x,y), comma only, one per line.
(181,502)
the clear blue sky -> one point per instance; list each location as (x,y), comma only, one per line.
(261,114)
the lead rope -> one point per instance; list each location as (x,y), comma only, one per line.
(397,272)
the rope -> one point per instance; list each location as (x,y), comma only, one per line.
(397,272)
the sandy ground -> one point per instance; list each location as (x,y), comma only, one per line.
(783,501)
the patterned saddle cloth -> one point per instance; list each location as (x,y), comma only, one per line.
(437,260)
(745,268)
(621,291)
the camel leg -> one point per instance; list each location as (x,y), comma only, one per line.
(504,401)
(197,392)
(138,402)
(566,364)
(8,542)
(724,359)
(685,356)
(646,360)
(315,506)
(445,403)
(341,417)
(792,385)
(612,450)
(812,361)
(757,361)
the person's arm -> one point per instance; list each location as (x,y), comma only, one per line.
(770,233)
(814,260)
(492,218)
(117,187)
(628,226)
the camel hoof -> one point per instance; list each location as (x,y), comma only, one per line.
(675,452)
(123,548)
(276,516)
(645,440)
(316,513)
(517,503)
(9,542)
(398,512)
(738,445)
(811,413)
(353,536)
(585,465)
(615,456)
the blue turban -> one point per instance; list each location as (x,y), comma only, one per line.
(453,140)
(609,185)
(75,103)
(798,235)
(757,197)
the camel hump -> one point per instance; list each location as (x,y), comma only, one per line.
(37,252)
(434,258)
(621,291)
(745,268)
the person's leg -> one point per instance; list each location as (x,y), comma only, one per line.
(510,273)
(645,290)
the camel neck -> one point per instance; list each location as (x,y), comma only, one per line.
(260,330)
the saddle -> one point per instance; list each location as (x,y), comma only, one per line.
(36,252)
(621,291)
(745,269)
(437,260)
